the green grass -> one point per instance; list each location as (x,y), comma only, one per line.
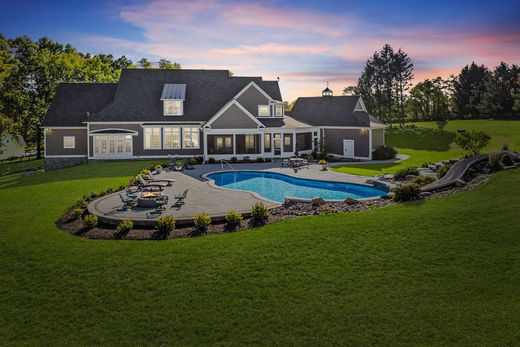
(427,144)
(32,164)
(441,272)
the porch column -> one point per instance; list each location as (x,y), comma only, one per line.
(294,141)
(205,135)
(262,144)
(234,144)
(370,143)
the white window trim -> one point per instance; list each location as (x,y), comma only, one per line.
(144,138)
(283,110)
(268,111)
(73,142)
(173,114)
(184,134)
(164,136)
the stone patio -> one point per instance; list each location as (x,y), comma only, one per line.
(203,197)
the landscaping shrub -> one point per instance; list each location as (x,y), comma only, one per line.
(90,221)
(246,159)
(401,174)
(158,167)
(165,224)
(145,173)
(233,219)
(81,203)
(443,171)
(202,221)
(125,226)
(234,159)
(495,161)
(421,181)
(507,160)
(77,212)
(211,160)
(199,159)
(384,153)
(260,160)
(505,147)
(193,161)
(472,141)
(259,214)
(406,192)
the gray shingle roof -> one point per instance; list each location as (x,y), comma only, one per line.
(330,111)
(139,92)
(72,101)
(173,91)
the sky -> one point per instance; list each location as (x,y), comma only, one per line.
(304,43)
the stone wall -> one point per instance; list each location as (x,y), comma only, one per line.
(58,163)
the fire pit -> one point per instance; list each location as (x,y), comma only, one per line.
(147,199)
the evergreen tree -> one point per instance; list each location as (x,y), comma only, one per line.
(468,90)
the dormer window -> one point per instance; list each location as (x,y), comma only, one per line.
(173,107)
(278,110)
(173,96)
(263,110)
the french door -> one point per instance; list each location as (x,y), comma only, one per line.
(112,146)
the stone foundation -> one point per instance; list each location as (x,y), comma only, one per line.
(58,163)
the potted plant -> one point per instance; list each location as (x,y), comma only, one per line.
(323,164)
(158,169)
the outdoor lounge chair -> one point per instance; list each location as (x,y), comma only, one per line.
(169,181)
(152,184)
(180,197)
(128,201)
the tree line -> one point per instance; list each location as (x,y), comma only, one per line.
(477,92)
(30,72)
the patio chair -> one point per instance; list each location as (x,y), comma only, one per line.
(305,163)
(161,203)
(131,192)
(285,162)
(152,184)
(180,197)
(128,201)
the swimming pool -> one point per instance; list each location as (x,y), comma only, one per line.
(275,186)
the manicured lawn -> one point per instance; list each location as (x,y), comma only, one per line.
(440,272)
(427,144)
(31,164)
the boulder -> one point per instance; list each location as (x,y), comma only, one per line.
(388,177)
(370,181)
(410,177)
(424,194)
(317,202)
(352,201)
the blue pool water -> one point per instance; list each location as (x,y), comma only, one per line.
(276,187)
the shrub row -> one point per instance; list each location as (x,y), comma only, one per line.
(384,153)
(407,171)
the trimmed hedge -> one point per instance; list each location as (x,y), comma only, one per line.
(384,153)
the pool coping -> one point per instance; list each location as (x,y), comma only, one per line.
(211,183)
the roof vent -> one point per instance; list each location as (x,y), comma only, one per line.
(326,91)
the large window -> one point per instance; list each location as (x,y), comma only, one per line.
(69,141)
(247,144)
(303,141)
(267,142)
(173,107)
(278,111)
(287,143)
(263,110)
(112,145)
(152,138)
(172,138)
(220,144)
(190,137)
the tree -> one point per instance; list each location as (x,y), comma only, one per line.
(144,64)
(168,65)
(468,89)
(501,85)
(472,141)
(403,74)
(351,90)
(429,100)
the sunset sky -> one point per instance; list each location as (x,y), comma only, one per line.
(305,43)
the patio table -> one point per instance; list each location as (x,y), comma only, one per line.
(295,162)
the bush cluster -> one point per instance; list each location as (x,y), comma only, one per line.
(407,171)
(90,221)
(421,181)
(211,160)
(233,219)
(259,214)
(125,226)
(443,171)
(384,153)
(495,161)
(406,192)
(77,212)
(234,159)
(165,224)
(202,221)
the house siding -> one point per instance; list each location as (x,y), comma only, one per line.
(251,98)
(234,118)
(54,142)
(138,140)
(334,141)
(378,137)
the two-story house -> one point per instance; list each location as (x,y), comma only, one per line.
(159,113)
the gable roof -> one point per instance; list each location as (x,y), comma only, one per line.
(72,101)
(139,92)
(330,111)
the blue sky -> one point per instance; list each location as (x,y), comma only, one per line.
(305,43)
